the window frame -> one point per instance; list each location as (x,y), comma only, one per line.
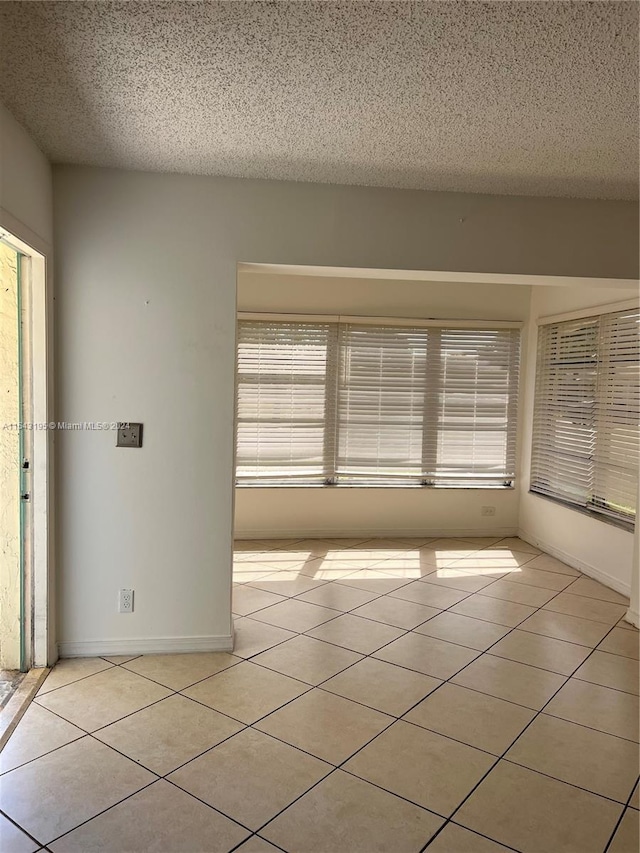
(332,477)
(592,508)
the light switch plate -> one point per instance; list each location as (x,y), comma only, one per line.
(129,434)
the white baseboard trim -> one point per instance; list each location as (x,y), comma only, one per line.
(586,568)
(150,646)
(373,532)
(633,617)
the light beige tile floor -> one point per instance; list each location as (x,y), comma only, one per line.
(384,696)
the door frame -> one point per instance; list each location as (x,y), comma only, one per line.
(38,649)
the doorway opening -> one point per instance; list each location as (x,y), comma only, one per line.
(24,464)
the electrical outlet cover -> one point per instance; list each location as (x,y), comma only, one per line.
(129,434)
(125,601)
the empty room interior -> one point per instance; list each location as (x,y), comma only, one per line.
(320,381)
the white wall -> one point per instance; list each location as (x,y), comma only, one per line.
(281,512)
(597,547)
(25,184)
(146,271)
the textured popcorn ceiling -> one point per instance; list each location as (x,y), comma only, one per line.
(535,98)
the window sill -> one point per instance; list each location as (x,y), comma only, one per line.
(341,486)
(629,526)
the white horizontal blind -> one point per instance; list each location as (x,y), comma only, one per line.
(376,404)
(585,438)
(281,398)
(563,421)
(617,414)
(470,433)
(381,394)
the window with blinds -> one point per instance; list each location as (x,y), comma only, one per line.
(586,434)
(283,378)
(354,403)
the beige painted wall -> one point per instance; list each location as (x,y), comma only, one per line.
(145,311)
(597,547)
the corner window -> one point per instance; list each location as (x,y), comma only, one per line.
(586,433)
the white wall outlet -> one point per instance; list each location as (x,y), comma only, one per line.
(488,510)
(125,601)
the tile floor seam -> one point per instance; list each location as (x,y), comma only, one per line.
(339,768)
(564,781)
(39,694)
(446,681)
(365,654)
(317,757)
(502,756)
(264,716)
(481,653)
(260,732)
(15,823)
(205,803)
(591,728)
(608,686)
(308,683)
(273,843)
(275,645)
(49,752)
(299,797)
(394,793)
(615,829)
(615,654)
(487,651)
(349,666)
(132,714)
(255,835)
(129,758)
(130,671)
(179,767)
(538,634)
(591,597)
(285,598)
(187,686)
(451,737)
(474,831)
(60,717)
(296,597)
(536,715)
(532,665)
(124,716)
(377,621)
(101,812)
(144,787)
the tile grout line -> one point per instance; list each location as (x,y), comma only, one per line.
(28,834)
(625,808)
(503,754)
(386,728)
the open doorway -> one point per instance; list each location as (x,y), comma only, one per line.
(24,457)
